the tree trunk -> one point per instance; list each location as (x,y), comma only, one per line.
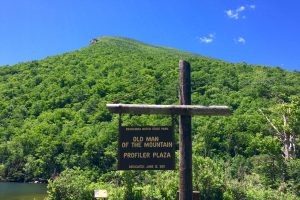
(289,146)
(286,148)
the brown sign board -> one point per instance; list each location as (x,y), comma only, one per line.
(146,148)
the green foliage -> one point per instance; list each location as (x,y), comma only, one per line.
(140,185)
(293,171)
(2,174)
(72,184)
(208,178)
(53,121)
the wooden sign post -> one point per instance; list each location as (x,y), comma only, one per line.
(185,134)
(185,112)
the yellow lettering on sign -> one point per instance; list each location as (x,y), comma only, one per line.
(136,155)
(159,144)
(152,139)
(136,144)
(161,155)
(136,166)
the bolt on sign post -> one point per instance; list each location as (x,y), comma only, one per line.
(145,148)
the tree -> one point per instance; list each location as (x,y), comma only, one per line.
(285,121)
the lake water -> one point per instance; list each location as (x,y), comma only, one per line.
(22,191)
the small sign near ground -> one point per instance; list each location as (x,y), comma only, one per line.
(100,193)
(146,148)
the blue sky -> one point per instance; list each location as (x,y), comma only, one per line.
(253,31)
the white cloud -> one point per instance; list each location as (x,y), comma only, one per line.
(235,14)
(232,14)
(252,6)
(240,9)
(207,39)
(211,35)
(240,40)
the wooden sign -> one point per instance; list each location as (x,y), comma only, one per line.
(100,193)
(146,148)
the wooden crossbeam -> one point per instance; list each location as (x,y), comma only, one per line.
(168,109)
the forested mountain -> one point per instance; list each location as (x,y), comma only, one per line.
(54,123)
